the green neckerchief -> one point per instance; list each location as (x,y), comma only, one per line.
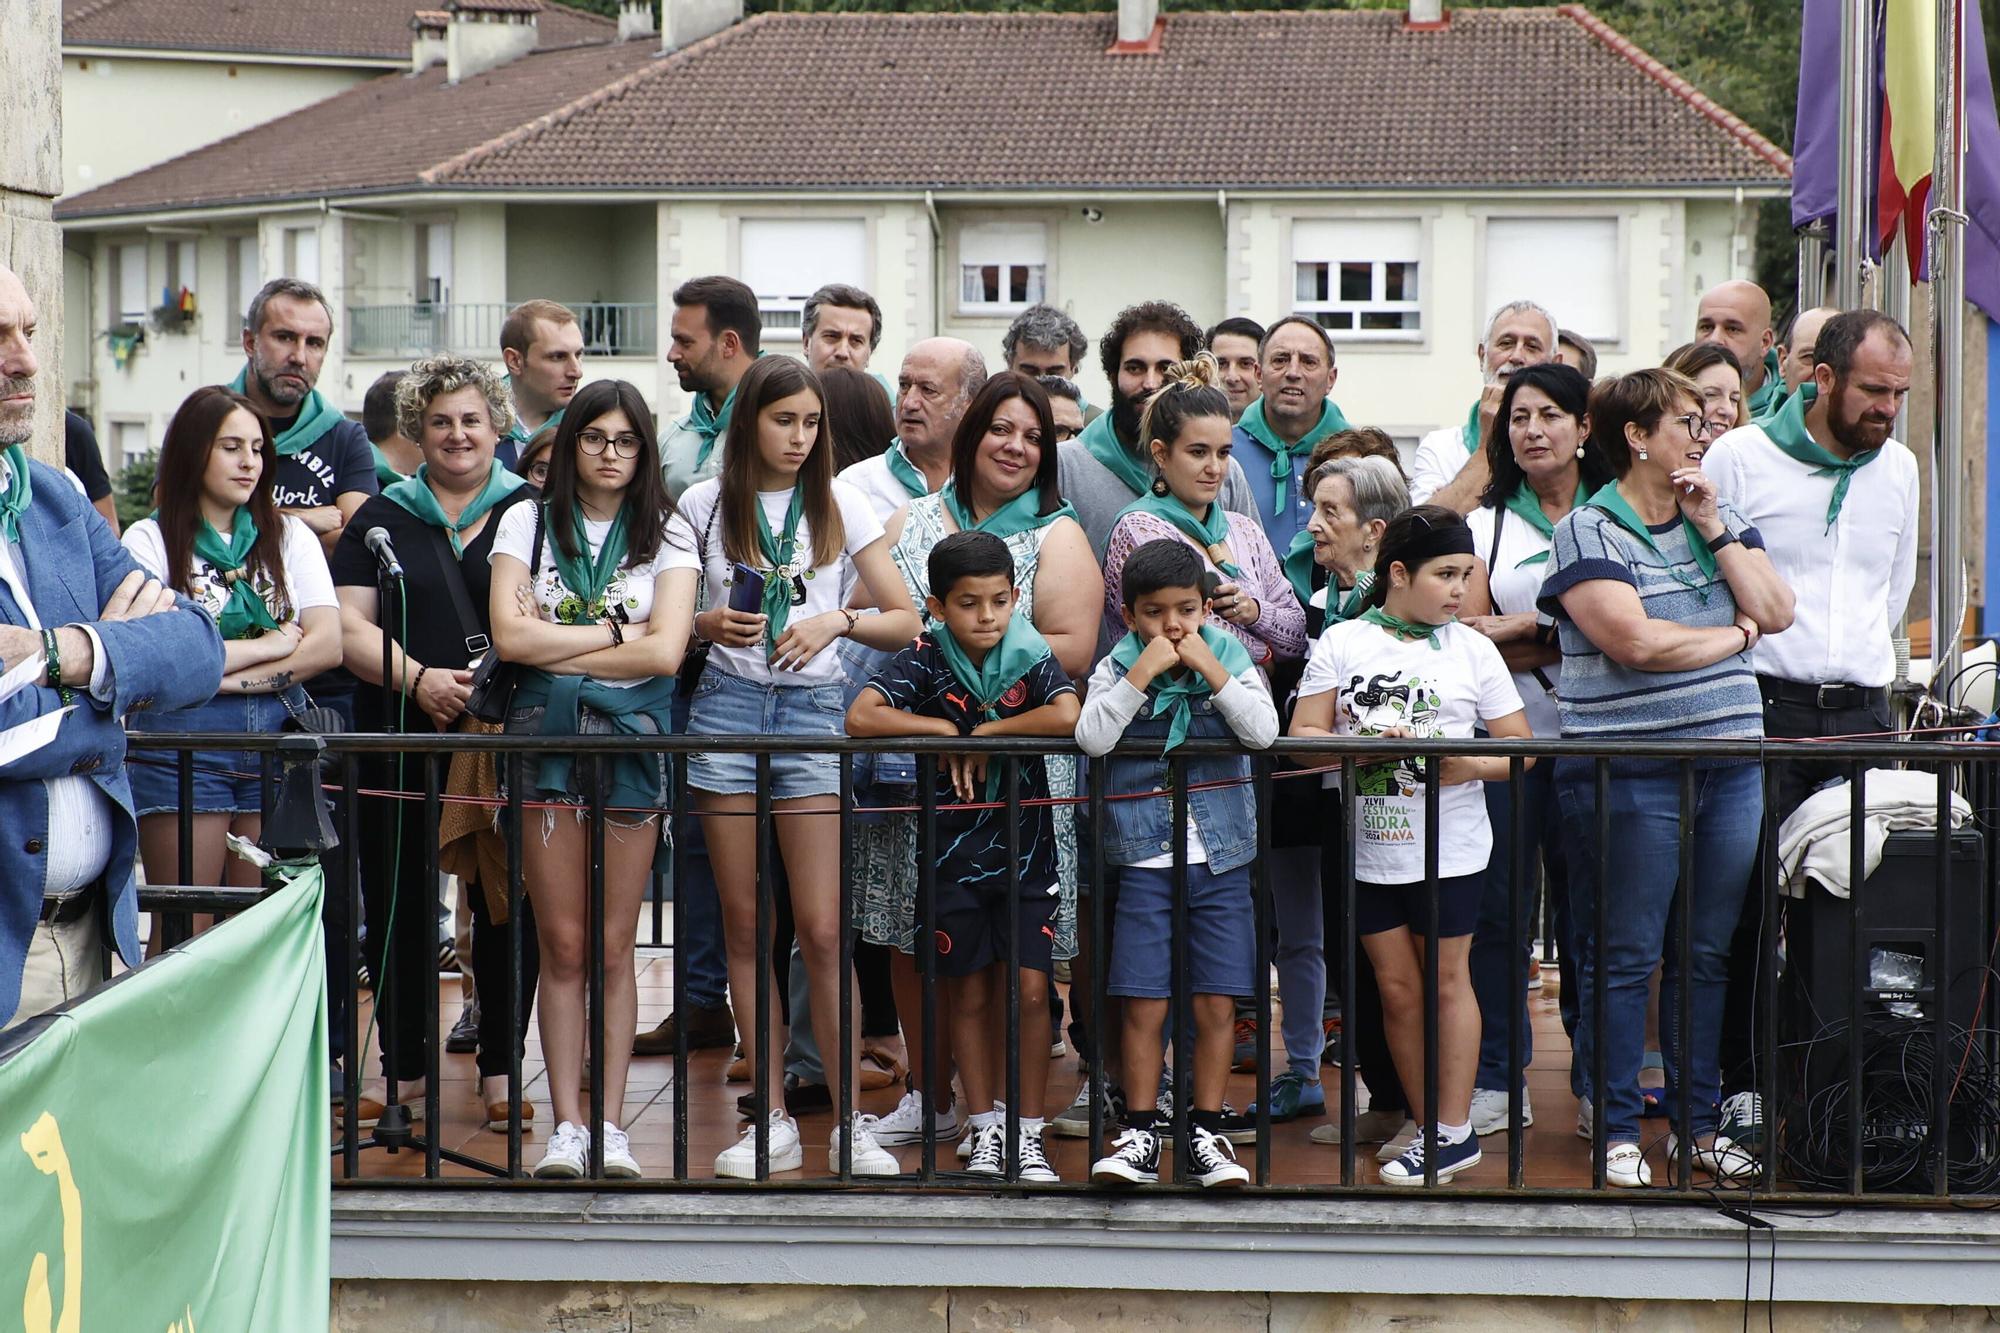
(1468,434)
(1611,502)
(710,423)
(1020,514)
(1210,534)
(1253,424)
(1102,441)
(1019,651)
(634,775)
(519,432)
(1408,629)
(1173,694)
(316,417)
(415,495)
(385,472)
(903,470)
(1770,395)
(1787,430)
(1528,506)
(20,490)
(243,615)
(587,578)
(779,550)
(1350,602)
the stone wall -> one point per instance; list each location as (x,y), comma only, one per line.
(522,1307)
(30,180)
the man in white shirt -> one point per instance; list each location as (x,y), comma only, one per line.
(1835,499)
(937,381)
(1450,468)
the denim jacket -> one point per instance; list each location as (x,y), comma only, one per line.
(1226,817)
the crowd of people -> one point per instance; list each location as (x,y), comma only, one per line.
(817,548)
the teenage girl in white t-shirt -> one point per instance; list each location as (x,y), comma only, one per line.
(218,539)
(1406,668)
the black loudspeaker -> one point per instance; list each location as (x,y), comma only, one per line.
(1908,966)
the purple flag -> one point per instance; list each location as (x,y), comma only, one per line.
(1982,172)
(1816,141)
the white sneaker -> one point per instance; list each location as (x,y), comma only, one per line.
(1399,1145)
(739,1160)
(905,1124)
(1725,1159)
(1489,1111)
(870,1157)
(568,1154)
(619,1163)
(1625,1167)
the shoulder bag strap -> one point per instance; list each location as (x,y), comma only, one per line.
(477,641)
(1492,559)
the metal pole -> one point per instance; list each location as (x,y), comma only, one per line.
(1812,265)
(1947,245)
(1852,271)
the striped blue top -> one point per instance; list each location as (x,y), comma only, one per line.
(1601,700)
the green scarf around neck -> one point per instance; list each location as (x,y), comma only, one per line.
(711,423)
(316,417)
(1408,629)
(385,471)
(1614,504)
(1282,455)
(1527,506)
(19,494)
(906,472)
(1770,395)
(1173,693)
(1211,534)
(1298,564)
(243,615)
(519,432)
(415,495)
(1019,651)
(587,578)
(1102,442)
(1018,515)
(780,550)
(1787,429)
(1468,434)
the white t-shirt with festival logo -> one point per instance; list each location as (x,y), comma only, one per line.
(628,598)
(815,591)
(306,577)
(1384,682)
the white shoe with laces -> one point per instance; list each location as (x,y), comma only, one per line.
(1489,1111)
(739,1160)
(568,1154)
(1035,1167)
(870,1158)
(619,1163)
(905,1124)
(964,1149)
(986,1151)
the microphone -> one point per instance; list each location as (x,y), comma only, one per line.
(377,541)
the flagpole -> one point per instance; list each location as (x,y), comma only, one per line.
(1946,226)
(1852,285)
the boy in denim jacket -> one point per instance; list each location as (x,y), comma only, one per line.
(1168,680)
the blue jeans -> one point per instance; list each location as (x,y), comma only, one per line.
(699,952)
(1300,958)
(1499,964)
(1641,915)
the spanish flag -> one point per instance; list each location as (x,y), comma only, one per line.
(1908,139)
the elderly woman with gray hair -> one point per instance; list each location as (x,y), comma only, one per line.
(441,524)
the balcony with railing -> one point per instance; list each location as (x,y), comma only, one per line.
(610,328)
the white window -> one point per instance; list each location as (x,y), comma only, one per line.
(1358,276)
(433,263)
(302,253)
(246,275)
(128,284)
(785,260)
(129,443)
(180,269)
(1002,267)
(1567,265)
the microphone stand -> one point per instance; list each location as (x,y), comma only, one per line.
(393,1130)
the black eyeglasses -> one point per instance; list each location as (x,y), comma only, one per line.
(1698,426)
(592,442)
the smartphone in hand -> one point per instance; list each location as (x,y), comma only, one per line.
(746,590)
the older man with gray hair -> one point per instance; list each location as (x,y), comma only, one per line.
(1450,467)
(1043,340)
(938,379)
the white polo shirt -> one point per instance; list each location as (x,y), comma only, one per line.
(1440,457)
(1850,584)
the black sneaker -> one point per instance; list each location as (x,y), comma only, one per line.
(989,1151)
(464,1036)
(1134,1160)
(1211,1160)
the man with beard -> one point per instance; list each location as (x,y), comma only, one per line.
(1108,466)
(715,336)
(1237,344)
(937,381)
(1276,434)
(325,466)
(542,348)
(1737,314)
(1836,501)
(1450,467)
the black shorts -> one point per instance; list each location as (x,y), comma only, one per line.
(1381,907)
(969,932)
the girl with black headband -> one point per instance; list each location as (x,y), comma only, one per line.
(1405,667)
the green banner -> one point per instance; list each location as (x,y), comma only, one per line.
(163,1144)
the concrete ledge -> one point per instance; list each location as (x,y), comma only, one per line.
(1557,1249)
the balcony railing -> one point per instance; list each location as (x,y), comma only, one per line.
(1904,1115)
(610,328)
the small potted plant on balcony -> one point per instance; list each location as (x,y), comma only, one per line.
(175,312)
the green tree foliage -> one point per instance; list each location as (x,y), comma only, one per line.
(134,492)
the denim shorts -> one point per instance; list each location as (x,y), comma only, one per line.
(217,788)
(731,705)
(1221,945)
(1384,907)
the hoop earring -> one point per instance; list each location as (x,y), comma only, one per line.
(1160,487)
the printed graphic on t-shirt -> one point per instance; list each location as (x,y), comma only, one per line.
(1377,705)
(210,590)
(305,480)
(619,601)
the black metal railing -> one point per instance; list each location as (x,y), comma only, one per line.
(1927,1129)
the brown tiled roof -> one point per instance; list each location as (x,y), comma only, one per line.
(1498,99)
(365,29)
(497,6)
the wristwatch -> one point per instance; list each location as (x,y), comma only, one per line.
(1727,537)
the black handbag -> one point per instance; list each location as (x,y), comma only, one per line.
(493,680)
(696,657)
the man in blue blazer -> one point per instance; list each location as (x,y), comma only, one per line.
(111,641)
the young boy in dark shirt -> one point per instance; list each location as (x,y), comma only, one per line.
(980,670)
